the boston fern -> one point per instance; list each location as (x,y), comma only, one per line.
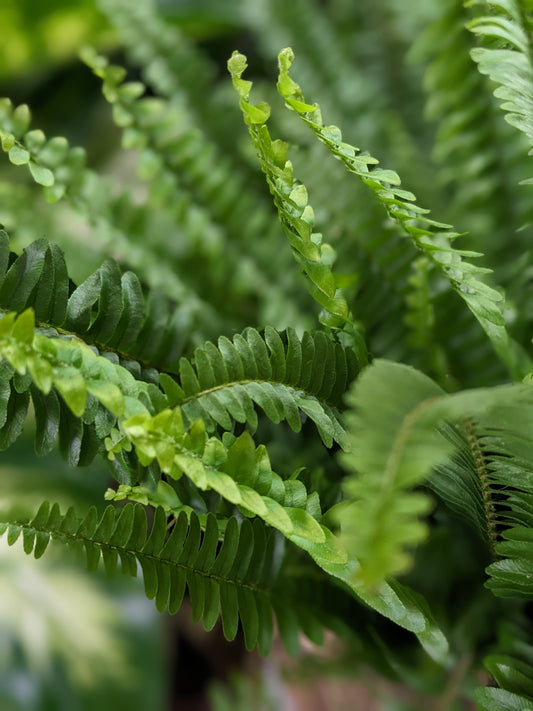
(358,458)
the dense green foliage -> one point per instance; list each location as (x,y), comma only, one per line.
(355,457)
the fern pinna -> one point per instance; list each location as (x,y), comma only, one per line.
(268,459)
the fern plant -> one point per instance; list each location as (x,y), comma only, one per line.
(316,405)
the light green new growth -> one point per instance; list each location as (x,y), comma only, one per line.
(430,237)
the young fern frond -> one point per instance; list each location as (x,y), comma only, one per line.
(297,217)
(432,238)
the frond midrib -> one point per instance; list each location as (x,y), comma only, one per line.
(56,534)
(260,381)
(478,459)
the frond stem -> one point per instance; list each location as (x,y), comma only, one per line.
(482,473)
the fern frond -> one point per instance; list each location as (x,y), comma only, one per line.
(238,471)
(69,366)
(514,677)
(108,310)
(233,580)
(509,62)
(78,395)
(430,237)
(314,256)
(382,513)
(394,446)
(241,473)
(468,134)
(281,373)
(469,141)
(490,483)
(162,129)
(173,66)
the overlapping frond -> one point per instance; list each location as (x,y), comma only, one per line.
(241,473)
(394,446)
(489,482)
(279,372)
(235,469)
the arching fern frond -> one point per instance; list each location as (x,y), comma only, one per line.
(430,237)
(297,217)
(233,579)
(235,469)
(241,473)
(279,372)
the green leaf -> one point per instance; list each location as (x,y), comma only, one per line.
(19,155)
(42,175)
